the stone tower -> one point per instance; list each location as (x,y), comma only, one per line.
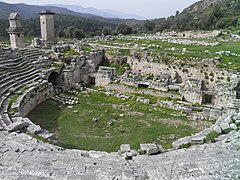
(47,27)
(16,31)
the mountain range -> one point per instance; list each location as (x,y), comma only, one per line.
(29,11)
(103,13)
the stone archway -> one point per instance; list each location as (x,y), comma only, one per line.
(238,91)
(55,79)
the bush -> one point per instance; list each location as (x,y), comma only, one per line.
(142,152)
(226,131)
(185,145)
(228,79)
(127,158)
(211,136)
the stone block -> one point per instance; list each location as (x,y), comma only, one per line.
(132,153)
(151,148)
(198,138)
(228,120)
(236,117)
(125,148)
(217,129)
(237,122)
(183,141)
(224,126)
(233,126)
(16,126)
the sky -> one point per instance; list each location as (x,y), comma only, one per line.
(144,8)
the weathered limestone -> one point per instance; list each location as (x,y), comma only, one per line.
(104,75)
(27,158)
(24,157)
(151,149)
(47,27)
(223,125)
(32,97)
(16,31)
(125,148)
(18,125)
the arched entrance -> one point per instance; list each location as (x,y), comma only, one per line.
(55,79)
(237,89)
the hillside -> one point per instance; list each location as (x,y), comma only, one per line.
(212,14)
(63,24)
(202,5)
(202,15)
(88,23)
(30,11)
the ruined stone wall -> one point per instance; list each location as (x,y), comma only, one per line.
(102,81)
(95,59)
(81,71)
(34,96)
(205,70)
(72,76)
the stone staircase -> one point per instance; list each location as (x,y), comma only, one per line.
(16,75)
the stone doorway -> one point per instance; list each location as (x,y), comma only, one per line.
(208,99)
(55,79)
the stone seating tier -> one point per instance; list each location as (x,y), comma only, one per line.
(17,73)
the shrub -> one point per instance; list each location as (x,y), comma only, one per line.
(226,131)
(185,145)
(211,136)
(142,152)
(211,74)
(127,158)
(228,79)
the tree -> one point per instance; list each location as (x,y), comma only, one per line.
(124,29)
(106,31)
(177,13)
(149,25)
(69,32)
(78,33)
(72,32)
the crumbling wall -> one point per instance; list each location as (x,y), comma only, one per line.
(34,96)
(205,70)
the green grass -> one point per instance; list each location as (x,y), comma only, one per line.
(119,52)
(70,52)
(211,136)
(193,51)
(87,48)
(13,99)
(140,123)
(46,115)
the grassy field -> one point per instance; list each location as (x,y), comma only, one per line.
(119,122)
(195,51)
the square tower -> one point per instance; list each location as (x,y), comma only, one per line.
(47,27)
(16,31)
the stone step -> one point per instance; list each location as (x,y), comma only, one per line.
(18,81)
(2,99)
(5,102)
(19,69)
(6,120)
(17,64)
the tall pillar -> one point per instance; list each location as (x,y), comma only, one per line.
(16,31)
(47,27)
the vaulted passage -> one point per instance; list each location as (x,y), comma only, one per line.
(55,79)
(237,89)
